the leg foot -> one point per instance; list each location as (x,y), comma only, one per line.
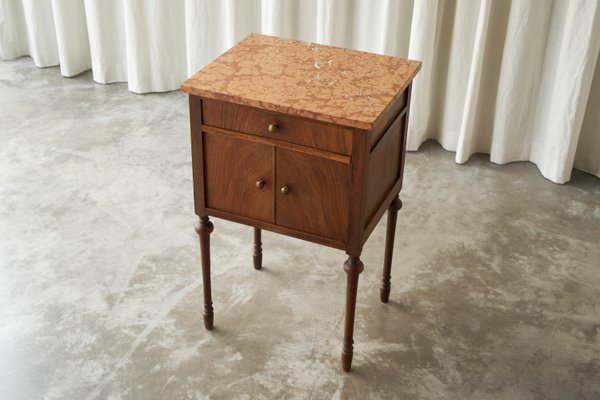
(353,267)
(209,319)
(204,229)
(384,291)
(257,255)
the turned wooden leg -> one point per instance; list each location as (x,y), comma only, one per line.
(353,267)
(392,216)
(257,255)
(204,229)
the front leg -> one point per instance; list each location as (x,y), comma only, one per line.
(353,267)
(204,229)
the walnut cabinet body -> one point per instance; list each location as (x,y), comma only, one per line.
(330,187)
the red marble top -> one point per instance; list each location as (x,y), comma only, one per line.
(326,83)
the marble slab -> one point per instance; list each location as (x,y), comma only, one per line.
(330,84)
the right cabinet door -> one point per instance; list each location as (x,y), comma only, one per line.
(311,194)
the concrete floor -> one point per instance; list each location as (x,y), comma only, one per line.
(496,279)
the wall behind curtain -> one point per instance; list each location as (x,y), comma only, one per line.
(516,79)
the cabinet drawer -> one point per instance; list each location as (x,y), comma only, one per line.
(254,121)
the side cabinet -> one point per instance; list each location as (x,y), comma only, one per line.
(304,140)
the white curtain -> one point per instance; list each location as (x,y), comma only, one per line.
(519,80)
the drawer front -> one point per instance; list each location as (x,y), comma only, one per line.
(305,132)
(238,176)
(316,196)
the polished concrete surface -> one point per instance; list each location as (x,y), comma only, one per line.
(495,282)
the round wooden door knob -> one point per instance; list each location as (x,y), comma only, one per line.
(272,128)
(285,190)
(260,184)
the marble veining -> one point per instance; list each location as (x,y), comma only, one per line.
(327,83)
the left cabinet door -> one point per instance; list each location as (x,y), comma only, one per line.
(238,176)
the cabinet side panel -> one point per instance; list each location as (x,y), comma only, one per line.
(384,167)
(384,121)
(197,154)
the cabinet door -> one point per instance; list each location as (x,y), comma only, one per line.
(232,168)
(317,198)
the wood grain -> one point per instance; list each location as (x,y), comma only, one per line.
(231,169)
(301,131)
(357,190)
(275,142)
(382,209)
(317,201)
(384,167)
(336,244)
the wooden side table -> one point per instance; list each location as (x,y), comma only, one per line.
(304,140)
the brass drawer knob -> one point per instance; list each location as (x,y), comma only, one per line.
(285,190)
(260,184)
(272,128)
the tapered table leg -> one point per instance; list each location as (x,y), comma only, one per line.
(353,267)
(392,216)
(204,229)
(257,255)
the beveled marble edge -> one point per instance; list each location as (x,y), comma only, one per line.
(290,110)
(352,123)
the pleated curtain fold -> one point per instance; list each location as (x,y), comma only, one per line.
(516,79)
